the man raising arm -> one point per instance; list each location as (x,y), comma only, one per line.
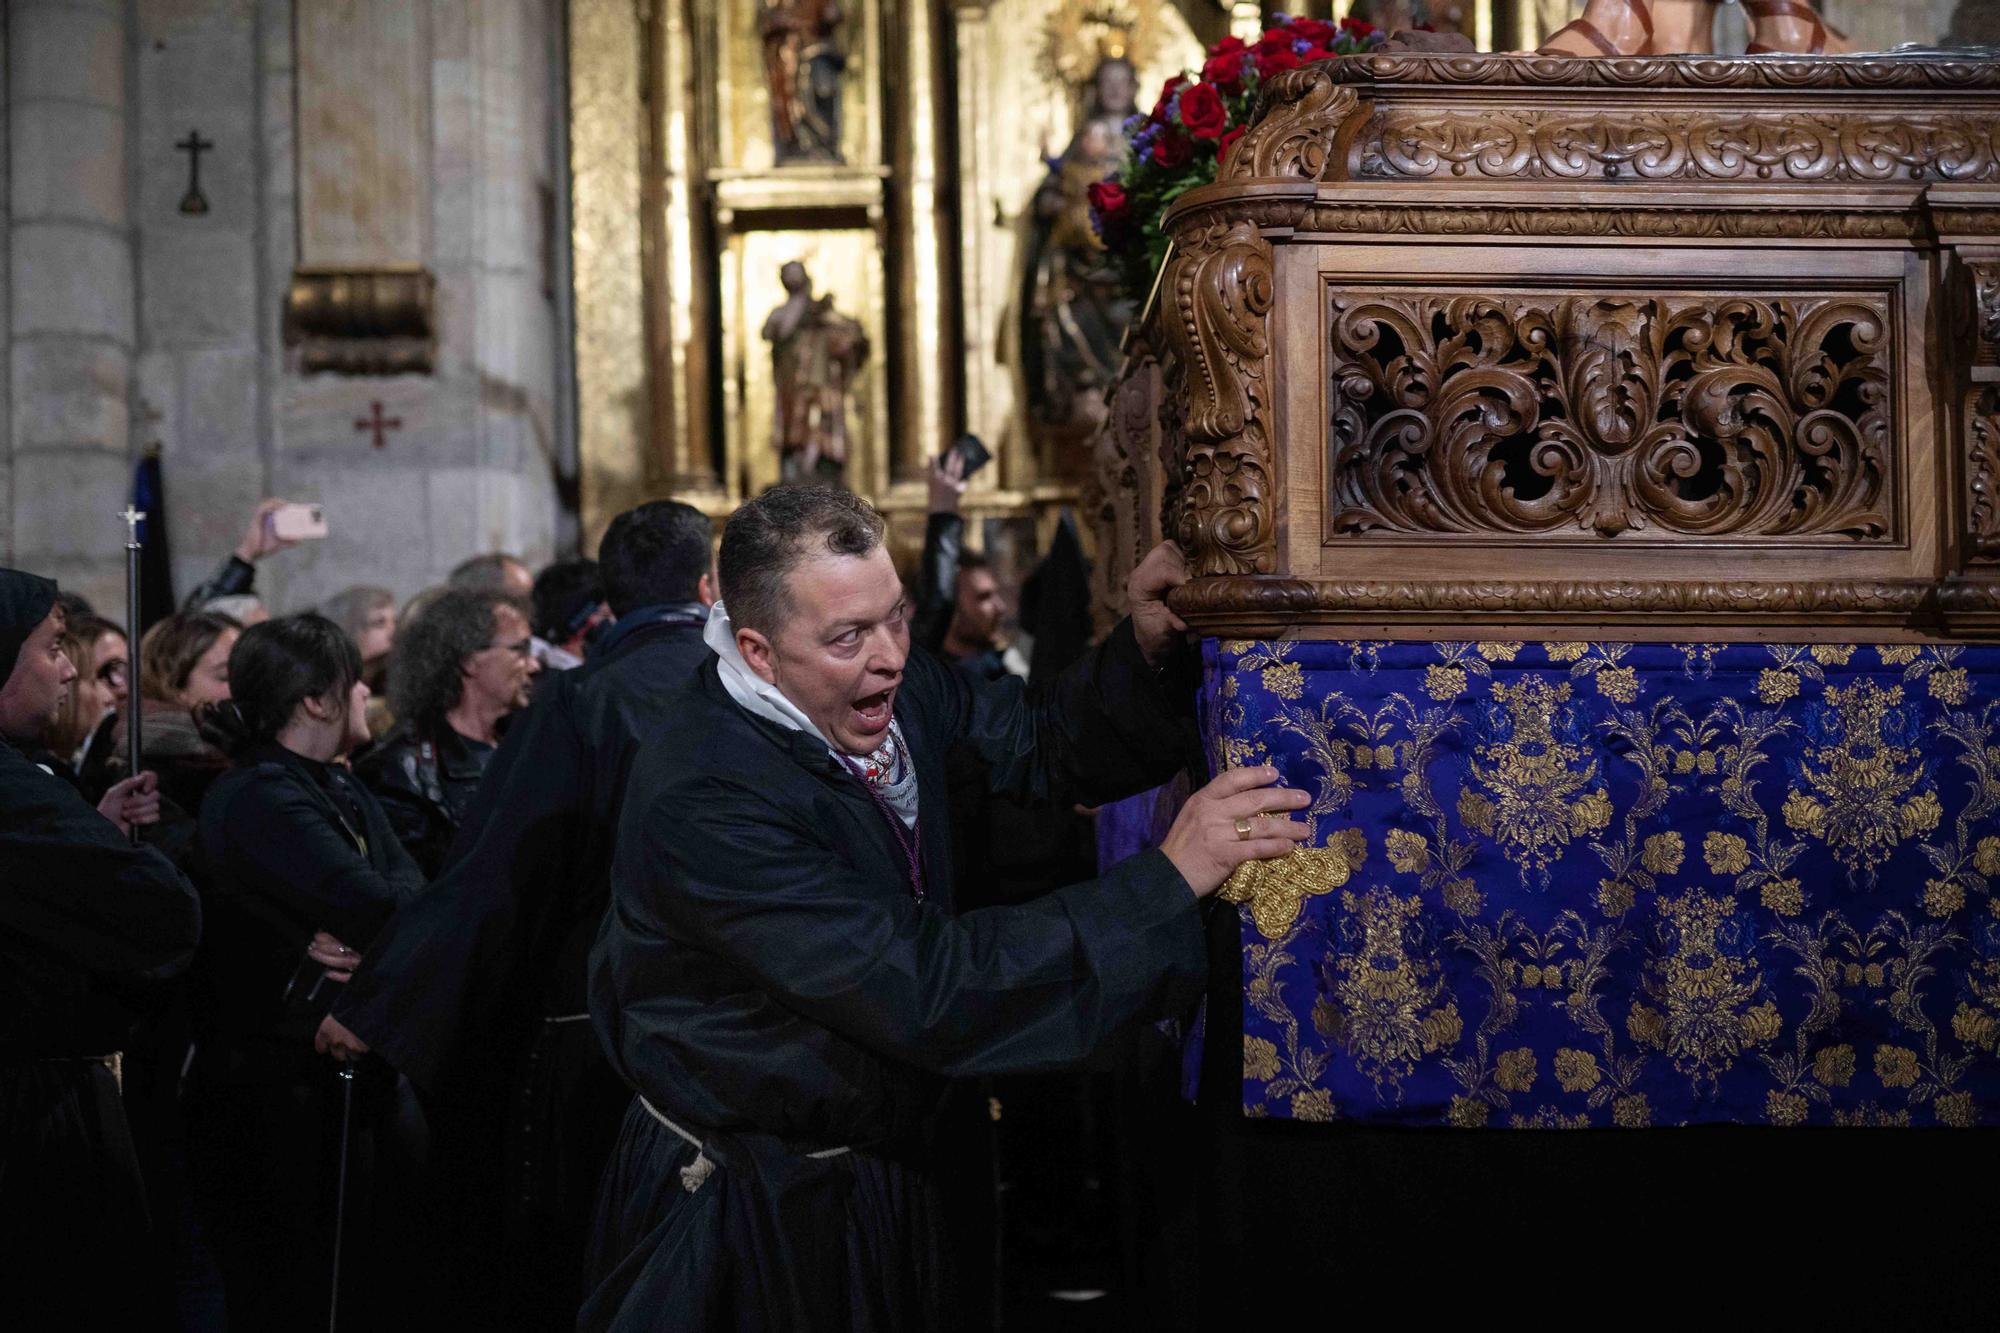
(781,976)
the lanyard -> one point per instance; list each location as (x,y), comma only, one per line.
(910,840)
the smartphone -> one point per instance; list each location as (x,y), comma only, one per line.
(972,452)
(298,523)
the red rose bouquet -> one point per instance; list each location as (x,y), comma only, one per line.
(1193,127)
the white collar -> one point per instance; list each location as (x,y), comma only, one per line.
(751,691)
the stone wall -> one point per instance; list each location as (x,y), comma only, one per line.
(131,323)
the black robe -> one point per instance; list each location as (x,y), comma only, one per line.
(88,924)
(766,979)
(294,846)
(476,989)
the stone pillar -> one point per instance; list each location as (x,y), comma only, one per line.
(70,291)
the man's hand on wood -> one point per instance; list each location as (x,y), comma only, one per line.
(1158,629)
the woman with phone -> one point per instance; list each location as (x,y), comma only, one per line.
(304,870)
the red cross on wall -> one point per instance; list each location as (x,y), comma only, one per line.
(378,423)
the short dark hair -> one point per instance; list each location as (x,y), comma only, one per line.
(169,651)
(74,604)
(274,667)
(565,595)
(484,573)
(425,678)
(771,535)
(350,608)
(655,554)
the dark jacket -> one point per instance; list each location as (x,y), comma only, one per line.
(85,918)
(766,979)
(292,847)
(233,577)
(503,937)
(937,579)
(425,777)
(89,925)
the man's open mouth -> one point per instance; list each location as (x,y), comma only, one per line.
(872,712)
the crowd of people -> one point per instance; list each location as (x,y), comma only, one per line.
(437,957)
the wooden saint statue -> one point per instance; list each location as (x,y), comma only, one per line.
(1676,27)
(802,68)
(815,354)
(1072,310)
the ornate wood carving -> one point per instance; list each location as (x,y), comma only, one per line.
(1302,599)
(1672,417)
(1872,73)
(1119,493)
(1304,111)
(1609,221)
(1219,290)
(1563,144)
(1986,299)
(1982,475)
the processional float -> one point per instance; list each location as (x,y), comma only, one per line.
(1587,469)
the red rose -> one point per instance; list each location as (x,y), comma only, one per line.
(1228,46)
(1174,85)
(1228,142)
(1225,71)
(1272,63)
(1172,149)
(1317,31)
(1359,27)
(1203,113)
(1108,200)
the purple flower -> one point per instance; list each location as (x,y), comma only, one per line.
(1301,46)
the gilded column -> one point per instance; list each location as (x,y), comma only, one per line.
(926,300)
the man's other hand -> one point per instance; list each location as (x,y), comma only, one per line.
(335,1040)
(1156,626)
(1241,816)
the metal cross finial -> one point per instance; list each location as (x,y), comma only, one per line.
(194,201)
(133,518)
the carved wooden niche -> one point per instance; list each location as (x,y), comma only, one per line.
(1586,416)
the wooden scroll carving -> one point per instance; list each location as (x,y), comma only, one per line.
(1220,292)
(1982,476)
(1653,416)
(1417,143)
(1302,118)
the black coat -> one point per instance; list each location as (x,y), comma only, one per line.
(425,778)
(88,923)
(766,979)
(292,847)
(476,987)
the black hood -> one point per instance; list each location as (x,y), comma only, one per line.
(25,600)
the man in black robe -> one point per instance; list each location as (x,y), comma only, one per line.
(781,976)
(87,923)
(476,988)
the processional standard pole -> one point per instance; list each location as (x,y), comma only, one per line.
(133,517)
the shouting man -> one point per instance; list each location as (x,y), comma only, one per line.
(781,976)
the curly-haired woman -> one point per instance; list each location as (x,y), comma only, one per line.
(459,668)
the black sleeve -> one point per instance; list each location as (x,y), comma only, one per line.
(1000,990)
(277,838)
(414,822)
(937,579)
(445,959)
(232,577)
(1106,727)
(77,890)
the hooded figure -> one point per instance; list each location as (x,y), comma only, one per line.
(87,923)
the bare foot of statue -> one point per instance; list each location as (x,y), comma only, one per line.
(1791,27)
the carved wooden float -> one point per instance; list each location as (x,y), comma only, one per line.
(1645,346)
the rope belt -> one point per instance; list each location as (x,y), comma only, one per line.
(567,1018)
(696,1173)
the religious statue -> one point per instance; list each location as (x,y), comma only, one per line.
(1072,311)
(1674,27)
(802,67)
(815,353)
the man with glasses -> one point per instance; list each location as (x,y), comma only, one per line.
(457,672)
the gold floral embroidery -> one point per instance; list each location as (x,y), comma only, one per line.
(1444,683)
(1631,1112)
(1663,853)
(1703,989)
(1565,652)
(1286,680)
(1260,1059)
(1387,993)
(1516,1069)
(1896,1066)
(1898,654)
(1833,654)
(1957,1111)
(1539,783)
(1467,1113)
(1409,853)
(1499,652)
(1577,1070)
(1313,1105)
(1785,1108)
(1834,1066)
(1726,853)
(1862,799)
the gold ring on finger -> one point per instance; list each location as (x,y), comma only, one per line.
(1243,830)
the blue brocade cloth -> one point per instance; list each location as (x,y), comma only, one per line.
(1568,884)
